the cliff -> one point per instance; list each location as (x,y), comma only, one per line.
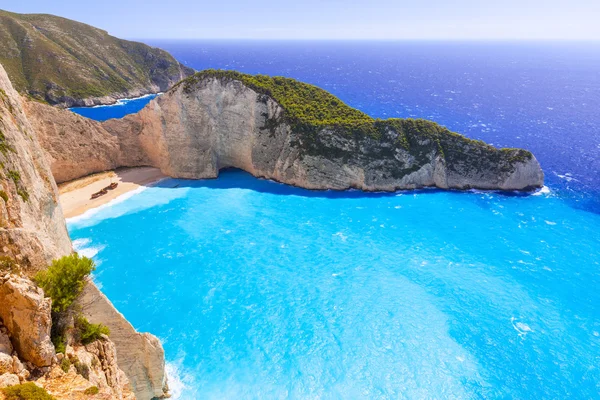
(280,129)
(32,227)
(69,63)
(32,233)
(294,133)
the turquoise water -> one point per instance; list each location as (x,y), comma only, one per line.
(259,290)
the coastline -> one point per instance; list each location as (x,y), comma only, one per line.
(118,101)
(75,195)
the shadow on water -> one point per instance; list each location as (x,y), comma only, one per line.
(232,178)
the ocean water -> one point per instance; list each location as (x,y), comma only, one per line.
(263,291)
(120,109)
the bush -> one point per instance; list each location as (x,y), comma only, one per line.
(59,343)
(26,391)
(92,390)
(65,364)
(89,332)
(82,369)
(64,280)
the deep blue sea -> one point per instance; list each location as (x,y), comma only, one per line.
(262,291)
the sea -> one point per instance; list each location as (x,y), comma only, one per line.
(263,291)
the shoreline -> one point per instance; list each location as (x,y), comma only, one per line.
(118,101)
(74,196)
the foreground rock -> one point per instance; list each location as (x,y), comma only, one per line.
(141,355)
(26,314)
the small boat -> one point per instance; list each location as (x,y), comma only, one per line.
(98,194)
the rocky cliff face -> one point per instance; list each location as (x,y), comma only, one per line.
(140,354)
(32,227)
(214,122)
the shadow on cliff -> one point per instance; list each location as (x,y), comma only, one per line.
(232,178)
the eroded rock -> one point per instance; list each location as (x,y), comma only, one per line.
(26,314)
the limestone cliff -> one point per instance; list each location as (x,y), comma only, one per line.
(277,128)
(32,227)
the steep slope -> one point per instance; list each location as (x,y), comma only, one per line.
(32,227)
(69,63)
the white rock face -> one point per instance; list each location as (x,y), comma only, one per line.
(26,314)
(140,355)
(7,380)
(32,227)
(220,123)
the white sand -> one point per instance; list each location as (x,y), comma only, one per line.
(75,195)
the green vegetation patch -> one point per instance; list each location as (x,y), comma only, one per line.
(303,103)
(65,364)
(26,391)
(65,279)
(89,332)
(92,390)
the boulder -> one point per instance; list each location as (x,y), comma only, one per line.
(26,314)
(7,380)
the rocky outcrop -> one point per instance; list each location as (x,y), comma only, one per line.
(75,146)
(140,355)
(26,314)
(208,123)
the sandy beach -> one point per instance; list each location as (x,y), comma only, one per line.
(75,195)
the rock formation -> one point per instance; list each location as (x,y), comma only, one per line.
(26,314)
(32,227)
(140,354)
(217,120)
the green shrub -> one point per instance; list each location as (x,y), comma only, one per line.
(15,176)
(4,196)
(92,390)
(64,280)
(7,264)
(23,193)
(65,364)
(82,369)
(26,391)
(89,332)
(59,343)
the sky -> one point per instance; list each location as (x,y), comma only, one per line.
(330,19)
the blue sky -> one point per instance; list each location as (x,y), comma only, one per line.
(331,19)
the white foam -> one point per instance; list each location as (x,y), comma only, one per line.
(545,190)
(176,385)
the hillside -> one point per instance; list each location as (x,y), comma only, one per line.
(69,63)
